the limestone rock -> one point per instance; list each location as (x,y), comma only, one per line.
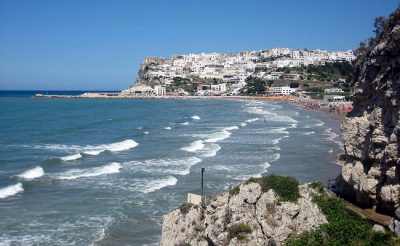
(371,131)
(271,222)
(378,228)
(394,224)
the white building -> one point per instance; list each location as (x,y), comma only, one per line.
(220,88)
(333,90)
(159,90)
(283,90)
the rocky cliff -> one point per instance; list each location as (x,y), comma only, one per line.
(249,216)
(371,131)
(148,70)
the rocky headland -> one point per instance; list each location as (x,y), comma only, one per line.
(371,131)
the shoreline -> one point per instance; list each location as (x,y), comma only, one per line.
(337,109)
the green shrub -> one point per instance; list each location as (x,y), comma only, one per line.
(318,186)
(239,231)
(342,229)
(185,207)
(234,191)
(287,188)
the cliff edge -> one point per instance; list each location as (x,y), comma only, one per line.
(371,131)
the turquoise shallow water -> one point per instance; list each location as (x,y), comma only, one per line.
(103,172)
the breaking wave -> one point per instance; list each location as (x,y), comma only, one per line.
(210,150)
(33,173)
(88,149)
(158,184)
(71,157)
(11,190)
(331,136)
(218,136)
(195,146)
(230,128)
(252,120)
(185,123)
(114,147)
(195,117)
(167,128)
(320,123)
(279,130)
(90,172)
(270,116)
(164,166)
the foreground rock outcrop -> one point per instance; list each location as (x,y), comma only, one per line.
(371,131)
(247,217)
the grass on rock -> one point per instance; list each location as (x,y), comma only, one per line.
(239,231)
(342,228)
(287,188)
(185,207)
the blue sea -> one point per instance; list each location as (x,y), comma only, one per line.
(103,172)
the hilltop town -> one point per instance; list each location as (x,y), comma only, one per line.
(314,78)
(213,74)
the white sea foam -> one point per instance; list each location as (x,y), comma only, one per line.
(71,157)
(271,116)
(331,136)
(88,149)
(210,150)
(33,173)
(146,133)
(195,117)
(114,147)
(230,128)
(163,166)
(195,146)
(11,190)
(243,124)
(139,127)
(113,167)
(320,123)
(218,136)
(330,151)
(167,128)
(158,184)
(277,140)
(308,133)
(252,120)
(273,157)
(185,123)
(293,125)
(279,130)
(265,165)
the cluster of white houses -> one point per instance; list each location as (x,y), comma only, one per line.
(231,70)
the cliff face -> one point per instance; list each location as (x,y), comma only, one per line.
(146,74)
(371,132)
(250,217)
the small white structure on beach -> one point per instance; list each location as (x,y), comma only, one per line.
(160,90)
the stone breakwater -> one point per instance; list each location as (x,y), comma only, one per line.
(259,218)
(371,131)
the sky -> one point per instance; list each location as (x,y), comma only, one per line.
(99,45)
